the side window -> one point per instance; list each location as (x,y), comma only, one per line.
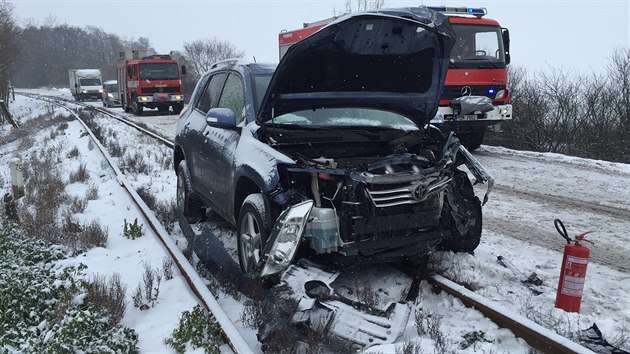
(233,97)
(209,95)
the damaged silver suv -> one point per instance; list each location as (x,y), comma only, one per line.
(331,154)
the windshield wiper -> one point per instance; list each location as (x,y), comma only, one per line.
(493,64)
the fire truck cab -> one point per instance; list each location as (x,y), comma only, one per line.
(148,80)
(478,67)
(477,73)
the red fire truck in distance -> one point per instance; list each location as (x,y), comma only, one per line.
(149,80)
(478,67)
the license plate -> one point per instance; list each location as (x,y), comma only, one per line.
(468,117)
(162,95)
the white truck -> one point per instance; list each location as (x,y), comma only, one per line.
(85,84)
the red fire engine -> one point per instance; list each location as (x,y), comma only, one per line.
(148,80)
(478,67)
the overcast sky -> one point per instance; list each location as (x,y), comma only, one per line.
(576,35)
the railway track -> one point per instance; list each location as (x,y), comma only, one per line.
(536,336)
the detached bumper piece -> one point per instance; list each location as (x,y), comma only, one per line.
(320,308)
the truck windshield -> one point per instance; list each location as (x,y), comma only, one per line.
(478,47)
(159,71)
(90,82)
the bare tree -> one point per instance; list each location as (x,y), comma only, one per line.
(202,53)
(8,47)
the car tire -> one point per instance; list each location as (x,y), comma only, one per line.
(253,226)
(187,203)
(464,197)
(472,141)
(177,108)
(136,108)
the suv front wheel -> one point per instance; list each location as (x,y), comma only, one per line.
(253,228)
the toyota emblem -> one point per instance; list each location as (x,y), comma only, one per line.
(466,91)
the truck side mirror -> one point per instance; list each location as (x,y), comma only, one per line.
(76,85)
(183,70)
(221,118)
(505,33)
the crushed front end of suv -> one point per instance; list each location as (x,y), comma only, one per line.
(331,154)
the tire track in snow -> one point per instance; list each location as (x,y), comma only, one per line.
(531,220)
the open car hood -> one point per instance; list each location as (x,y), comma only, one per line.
(394,60)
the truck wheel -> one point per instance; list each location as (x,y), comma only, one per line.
(177,108)
(187,203)
(463,209)
(253,229)
(136,108)
(473,140)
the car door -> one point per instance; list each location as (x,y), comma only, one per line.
(222,144)
(200,154)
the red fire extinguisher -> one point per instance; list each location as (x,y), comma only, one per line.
(573,270)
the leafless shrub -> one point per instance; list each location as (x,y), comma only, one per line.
(148,290)
(73,153)
(91,144)
(115,150)
(80,175)
(135,164)
(576,114)
(26,142)
(108,294)
(93,235)
(167,268)
(77,205)
(92,193)
(367,295)
(409,347)
(429,323)
(560,323)
(165,160)
(147,196)
(621,338)
(166,213)
(63,125)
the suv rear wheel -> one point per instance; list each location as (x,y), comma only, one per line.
(253,229)
(189,205)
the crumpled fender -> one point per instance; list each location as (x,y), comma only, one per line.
(257,160)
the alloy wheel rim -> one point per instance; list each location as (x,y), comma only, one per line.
(250,242)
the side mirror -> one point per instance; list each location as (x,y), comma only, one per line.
(76,85)
(222,118)
(183,70)
(506,44)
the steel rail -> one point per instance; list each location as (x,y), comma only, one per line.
(148,132)
(534,334)
(229,332)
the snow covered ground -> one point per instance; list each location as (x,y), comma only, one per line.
(532,190)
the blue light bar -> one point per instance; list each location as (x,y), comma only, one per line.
(491,91)
(475,11)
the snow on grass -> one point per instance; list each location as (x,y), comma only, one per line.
(121,255)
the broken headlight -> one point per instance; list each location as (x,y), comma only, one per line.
(285,238)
